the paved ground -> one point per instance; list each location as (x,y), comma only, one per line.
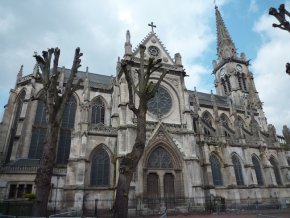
(267,214)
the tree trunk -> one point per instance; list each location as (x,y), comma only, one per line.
(129,163)
(44,172)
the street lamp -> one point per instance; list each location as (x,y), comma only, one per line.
(284,24)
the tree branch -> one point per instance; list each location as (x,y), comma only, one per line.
(156,86)
(130,82)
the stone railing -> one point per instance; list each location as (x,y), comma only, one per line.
(102,129)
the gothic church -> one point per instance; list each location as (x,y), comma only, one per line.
(198,144)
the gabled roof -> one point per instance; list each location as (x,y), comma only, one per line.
(152,39)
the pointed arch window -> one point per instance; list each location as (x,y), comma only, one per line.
(67,125)
(239,77)
(224,85)
(207,118)
(216,170)
(228,82)
(258,170)
(244,82)
(238,170)
(98,111)
(15,124)
(100,168)
(160,158)
(276,171)
(38,132)
(225,120)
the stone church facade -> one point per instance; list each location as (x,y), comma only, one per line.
(198,144)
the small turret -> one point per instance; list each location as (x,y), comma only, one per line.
(19,75)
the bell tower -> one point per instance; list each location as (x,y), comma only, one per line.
(232,75)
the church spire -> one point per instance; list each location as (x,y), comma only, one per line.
(225,46)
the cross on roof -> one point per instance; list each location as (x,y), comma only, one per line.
(152,26)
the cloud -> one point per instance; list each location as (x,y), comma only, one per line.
(269,67)
(253,7)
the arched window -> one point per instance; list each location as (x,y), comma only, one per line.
(15,124)
(38,132)
(224,85)
(67,125)
(160,158)
(276,170)
(238,170)
(216,171)
(244,82)
(98,111)
(228,83)
(239,77)
(225,120)
(207,118)
(100,168)
(288,161)
(258,170)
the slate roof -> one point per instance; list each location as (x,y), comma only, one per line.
(96,80)
(205,99)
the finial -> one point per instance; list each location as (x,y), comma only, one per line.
(152,26)
(128,36)
(20,73)
(87,69)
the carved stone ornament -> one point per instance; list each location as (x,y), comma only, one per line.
(173,81)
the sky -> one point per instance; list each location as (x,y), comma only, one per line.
(187,27)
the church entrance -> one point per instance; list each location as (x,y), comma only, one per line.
(161,179)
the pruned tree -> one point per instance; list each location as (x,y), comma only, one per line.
(145,90)
(284,24)
(55,101)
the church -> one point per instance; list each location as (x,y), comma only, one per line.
(199,145)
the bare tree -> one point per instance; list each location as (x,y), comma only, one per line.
(280,15)
(145,90)
(55,103)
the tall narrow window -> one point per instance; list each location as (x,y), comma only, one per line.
(14,125)
(288,161)
(67,125)
(38,132)
(238,170)
(239,81)
(276,170)
(244,82)
(224,85)
(216,171)
(100,168)
(258,170)
(228,83)
(98,111)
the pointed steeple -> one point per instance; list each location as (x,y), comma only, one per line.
(225,46)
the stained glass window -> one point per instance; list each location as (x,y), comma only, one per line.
(216,171)
(276,171)
(67,125)
(258,170)
(238,170)
(98,111)
(38,132)
(15,124)
(100,168)
(160,158)
(161,103)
